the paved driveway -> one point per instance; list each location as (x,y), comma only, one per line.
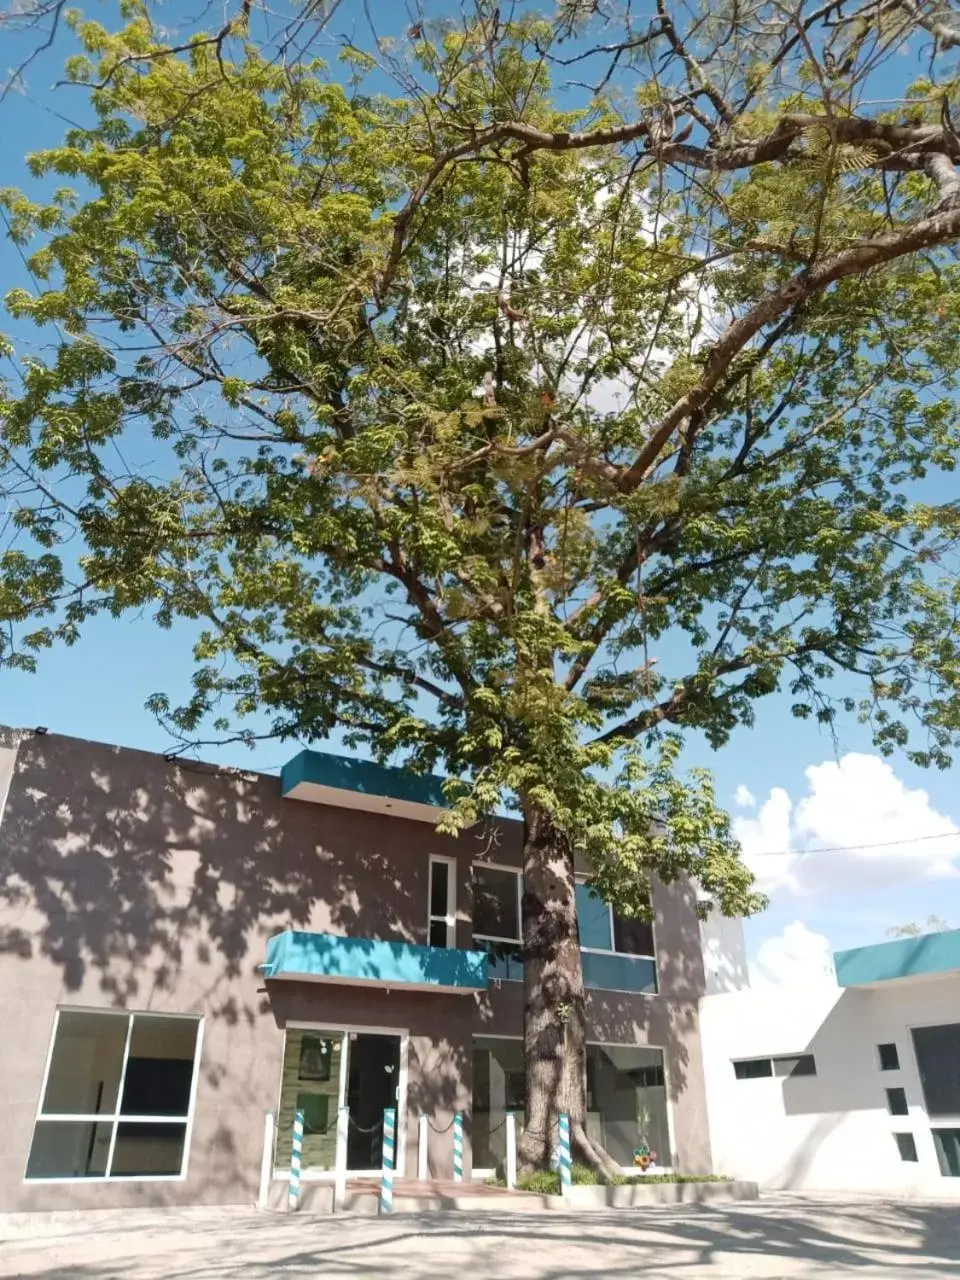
(777,1238)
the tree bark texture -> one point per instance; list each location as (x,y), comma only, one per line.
(554,1023)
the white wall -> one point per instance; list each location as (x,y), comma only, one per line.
(724,954)
(832,1130)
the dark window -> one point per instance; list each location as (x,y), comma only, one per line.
(157,1087)
(632,937)
(753,1068)
(947,1142)
(938,1058)
(496,908)
(438,933)
(907,1147)
(439,872)
(802,1065)
(889,1058)
(897,1102)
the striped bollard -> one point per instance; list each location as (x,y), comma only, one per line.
(296,1155)
(458,1147)
(388,1161)
(565,1162)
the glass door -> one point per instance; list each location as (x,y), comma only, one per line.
(373,1083)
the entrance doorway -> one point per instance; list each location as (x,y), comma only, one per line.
(325,1068)
(373,1083)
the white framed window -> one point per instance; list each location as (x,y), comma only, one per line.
(442,905)
(497,892)
(118,1096)
(604,929)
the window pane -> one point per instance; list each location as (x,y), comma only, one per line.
(438,933)
(495,908)
(633,937)
(159,1066)
(753,1069)
(897,1102)
(907,1147)
(73,1149)
(87,1060)
(938,1055)
(803,1065)
(439,879)
(497,1089)
(627,1101)
(947,1142)
(593,918)
(148,1150)
(889,1058)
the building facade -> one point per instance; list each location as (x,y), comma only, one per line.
(185,948)
(849,1085)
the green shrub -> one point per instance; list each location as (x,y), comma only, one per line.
(546,1182)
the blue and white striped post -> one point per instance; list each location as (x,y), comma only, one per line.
(458,1147)
(388,1161)
(296,1155)
(566,1165)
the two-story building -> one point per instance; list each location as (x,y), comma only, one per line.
(183,948)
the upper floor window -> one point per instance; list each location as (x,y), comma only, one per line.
(496,903)
(800,1064)
(604,929)
(442,919)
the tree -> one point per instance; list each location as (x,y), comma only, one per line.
(934,924)
(506,435)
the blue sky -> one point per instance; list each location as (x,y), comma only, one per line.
(790,785)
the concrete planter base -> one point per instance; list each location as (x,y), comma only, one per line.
(636,1194)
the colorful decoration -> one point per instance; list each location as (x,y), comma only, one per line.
(644,1157)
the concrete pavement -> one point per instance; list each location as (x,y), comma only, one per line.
(777,1238)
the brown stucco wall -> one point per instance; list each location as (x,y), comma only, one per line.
(127,881)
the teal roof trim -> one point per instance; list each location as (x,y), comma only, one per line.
(324,769)
(906,958)
(325,957)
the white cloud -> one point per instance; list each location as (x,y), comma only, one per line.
(744,798)
(796,955)
(856,801)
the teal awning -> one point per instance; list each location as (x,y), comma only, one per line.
(365,962)
(929,954)
(325,778)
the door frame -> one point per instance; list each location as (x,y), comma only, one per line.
(346,1030)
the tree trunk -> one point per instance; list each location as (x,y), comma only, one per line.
(554,1013)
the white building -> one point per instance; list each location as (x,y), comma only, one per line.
(852,1084)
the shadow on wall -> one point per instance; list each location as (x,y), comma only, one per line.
(124,870)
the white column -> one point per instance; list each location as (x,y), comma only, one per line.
(423,1166)
(266,1159)
(511,1150)
(340,1160)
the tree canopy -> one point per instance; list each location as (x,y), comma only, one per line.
(511,394)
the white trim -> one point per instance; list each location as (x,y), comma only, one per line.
(46,1068)
(119,1103)
(400,1149)
(346,1026)
(116,1117)
(374,984)
(450,919)
(115,1177)
(192,1106)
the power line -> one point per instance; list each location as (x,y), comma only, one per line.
(849,848)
